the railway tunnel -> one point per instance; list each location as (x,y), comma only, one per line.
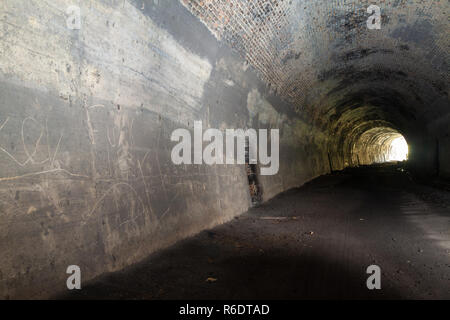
(91,93)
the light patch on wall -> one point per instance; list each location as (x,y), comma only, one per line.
(229,83)
(229,68)
(262,110)
(119,55)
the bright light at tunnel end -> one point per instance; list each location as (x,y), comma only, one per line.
(398,150)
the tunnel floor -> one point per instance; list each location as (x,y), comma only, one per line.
(313,242)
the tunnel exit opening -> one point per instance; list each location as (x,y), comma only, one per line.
(398,150)
(380,145)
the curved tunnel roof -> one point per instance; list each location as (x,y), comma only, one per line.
(334,71)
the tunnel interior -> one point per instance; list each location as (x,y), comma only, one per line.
(349,79)
(88,110)
(379,145)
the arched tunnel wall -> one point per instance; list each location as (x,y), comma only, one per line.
(86,115)
(321,57)
(86,119)
(375,146)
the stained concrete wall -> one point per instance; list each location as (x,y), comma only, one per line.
(85,123)
(86,115)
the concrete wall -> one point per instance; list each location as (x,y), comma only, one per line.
(85,123)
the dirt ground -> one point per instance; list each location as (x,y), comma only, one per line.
(307,243)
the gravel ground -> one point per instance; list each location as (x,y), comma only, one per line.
(313,242)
